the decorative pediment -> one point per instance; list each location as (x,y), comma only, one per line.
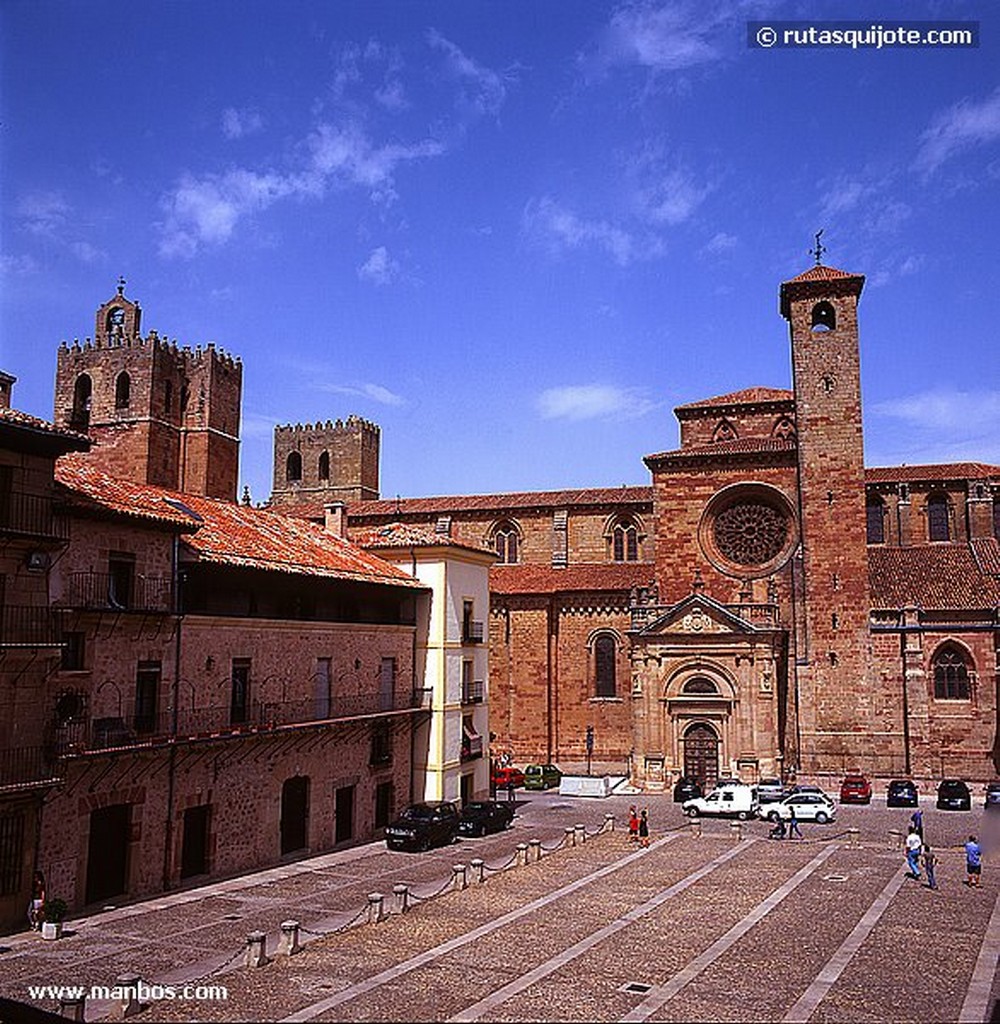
(698,615)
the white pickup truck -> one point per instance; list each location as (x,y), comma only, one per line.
(737,801)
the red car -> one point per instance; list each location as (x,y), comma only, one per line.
(501,777)
(855,789)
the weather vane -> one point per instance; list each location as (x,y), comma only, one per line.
(820,248)
(121,285)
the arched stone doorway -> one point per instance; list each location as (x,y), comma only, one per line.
(701,755)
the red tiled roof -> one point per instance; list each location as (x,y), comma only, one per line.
(821,273)
(406,535)
(625,495)
(225,533)
(934,471)
(748,396)
(929,577)
(741,446)
(986,551)
(543,579)
(16,418)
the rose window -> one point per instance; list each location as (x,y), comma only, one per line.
(750,532)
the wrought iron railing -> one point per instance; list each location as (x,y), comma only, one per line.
(472,632)
(108,591)
(27,766)
(472,692)
(32,515)
(142,729)
(29,627)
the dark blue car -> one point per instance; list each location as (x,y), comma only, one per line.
(901,793)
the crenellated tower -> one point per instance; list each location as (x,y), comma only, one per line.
(158,413)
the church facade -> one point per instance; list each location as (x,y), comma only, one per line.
(767,605)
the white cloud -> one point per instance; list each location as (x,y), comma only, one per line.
(87,253)
(43,213)
(483,90)
(946,410)
(593,401)
(17,266)
(380,268)
(238,123)
(375,392)
(719,243)
(964,126)
(670,197)
(559,229)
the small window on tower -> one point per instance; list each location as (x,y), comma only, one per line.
(123,391)
(824,318)
(324,466)
(82,392)
(293,467)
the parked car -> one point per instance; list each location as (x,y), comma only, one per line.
(541,776)
(501,777)
(855,789)
(808,787)
(769,790)
(686,789)
(953,795)
(816,807)
(992,801)
(901,793)
(728,801)
(481,816)
(422,826)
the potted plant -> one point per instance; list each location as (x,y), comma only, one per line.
(53,913)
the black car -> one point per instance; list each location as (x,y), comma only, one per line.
(992,802)
(422,826)
(953,795)
(482,816)
(901,793)
(686,789)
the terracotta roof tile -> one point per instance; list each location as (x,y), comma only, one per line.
(748,396)
(933,471)
(930,577)
(225,533)
(543,579)
(986,551)
(820,273)
(741,446)
(16,418)
(407,535)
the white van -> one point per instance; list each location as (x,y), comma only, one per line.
(733,801)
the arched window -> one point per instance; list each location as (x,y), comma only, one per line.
(875,513)
(700,685)
(937,518)
(123,391)
(605,650)
(505,541)
(293,468)
(625,541)
(82,391)
(324,466)
(951,674)
(823,318)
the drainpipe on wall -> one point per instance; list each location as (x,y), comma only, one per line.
(168,831)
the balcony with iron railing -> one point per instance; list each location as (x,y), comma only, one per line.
(22,626)
(472,632)
(142,729)
(25,767)
(472,692)
(32,515)
(112,592)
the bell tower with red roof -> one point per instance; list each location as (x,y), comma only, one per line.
(832,658)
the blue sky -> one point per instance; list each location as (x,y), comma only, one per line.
(515,234)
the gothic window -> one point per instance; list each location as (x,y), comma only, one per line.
(605,650)
(724,431)
(82,392)
(625,541)
(324,466)
(937,518)
(505,540)
(875,512)
(823,318)
(951,674)
(293,468)
(784,429)
(700,685)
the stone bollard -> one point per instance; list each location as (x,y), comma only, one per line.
(536,850)
(853,834)
(609,823)
(256,949)
(401,892)
(72,1007)
(376,908)
(581,834)
(570,835)
(478,869)
(128,985)
(737,830)
(289,943)
(521,857)
(458,877)
(695,825)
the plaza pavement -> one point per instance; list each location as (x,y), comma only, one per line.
(707,927)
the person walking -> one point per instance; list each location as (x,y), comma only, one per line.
(633,825)
(644,828)
(511,798)
(913,846)
(37,902)
(793,823)
(973,862)
(930,862)
(917,821)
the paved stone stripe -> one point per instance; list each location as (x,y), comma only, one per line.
(806,1004)
(662,994)
(428,956)
(977,998)
(490,1002)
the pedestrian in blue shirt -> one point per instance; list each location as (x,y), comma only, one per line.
(917,821)
(973,861)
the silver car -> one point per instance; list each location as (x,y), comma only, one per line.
(808,807)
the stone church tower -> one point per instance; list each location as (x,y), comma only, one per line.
(159,414)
